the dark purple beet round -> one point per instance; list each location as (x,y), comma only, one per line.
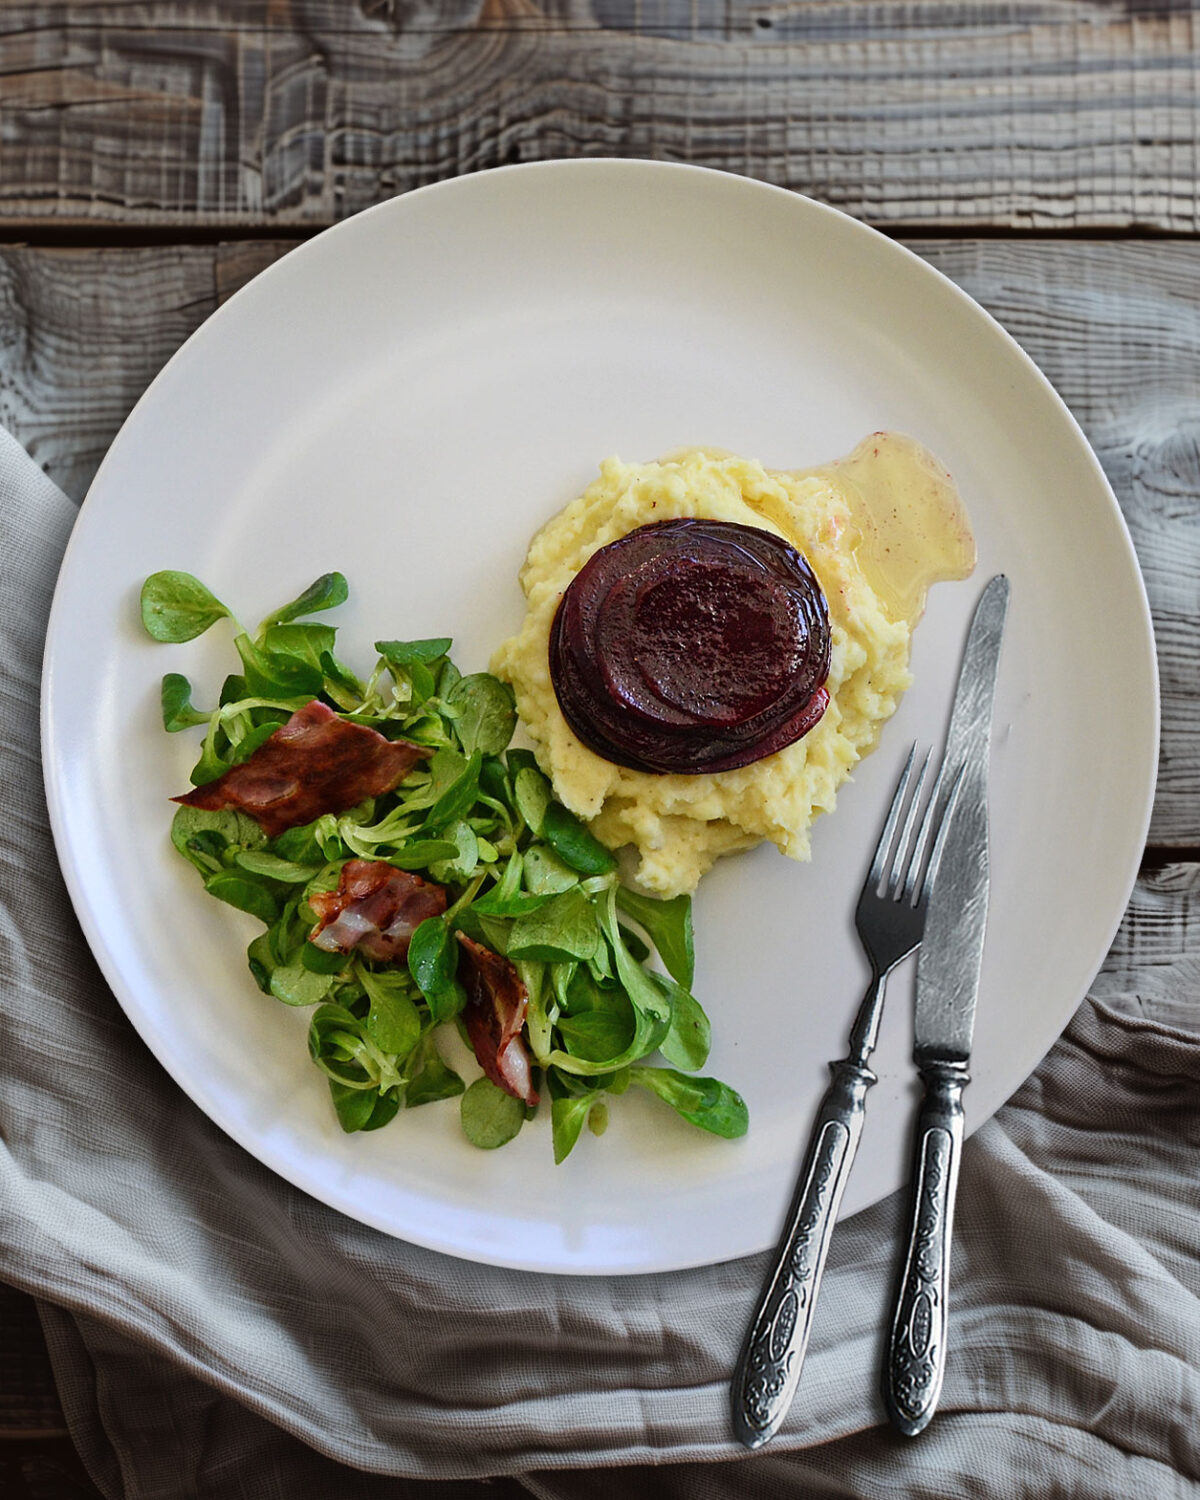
(691,646)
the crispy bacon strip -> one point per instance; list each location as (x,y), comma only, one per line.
(315,763)
(494,1016)
(375,909)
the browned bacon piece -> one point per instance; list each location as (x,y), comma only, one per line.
(375,909)
(494,1016)
(315,763)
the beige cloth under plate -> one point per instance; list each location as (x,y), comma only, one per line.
(218,1334)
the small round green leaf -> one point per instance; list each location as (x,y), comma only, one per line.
(177,607)
(485,711)
(572,842)
(246,895)
(296,985)
(568,1115)
(490,1117)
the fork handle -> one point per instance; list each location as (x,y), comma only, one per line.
(769,1367)
(916,1358)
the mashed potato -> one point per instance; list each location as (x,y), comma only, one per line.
(679,824)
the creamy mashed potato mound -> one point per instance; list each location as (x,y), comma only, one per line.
(679,824)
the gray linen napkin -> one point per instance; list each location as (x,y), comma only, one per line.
(218,1334)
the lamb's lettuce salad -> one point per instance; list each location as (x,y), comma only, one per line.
(522,876)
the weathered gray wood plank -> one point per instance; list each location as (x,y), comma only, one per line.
(1039,114)
(1116,326)
(1153,967)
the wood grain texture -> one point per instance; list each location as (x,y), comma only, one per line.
(1153,967)
(1043,114)
(1115,326)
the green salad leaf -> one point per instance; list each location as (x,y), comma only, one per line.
(325,592)
(490,1117)
(178,607)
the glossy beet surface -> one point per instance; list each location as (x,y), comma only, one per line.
(691,646)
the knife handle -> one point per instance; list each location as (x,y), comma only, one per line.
(916,1359)
(773,1353)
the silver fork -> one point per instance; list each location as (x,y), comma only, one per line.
(890,919)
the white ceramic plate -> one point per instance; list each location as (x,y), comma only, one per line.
(406,398)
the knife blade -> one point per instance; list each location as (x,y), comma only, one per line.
(948,973)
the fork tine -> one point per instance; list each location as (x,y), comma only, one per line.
(939,843)
(921,842)
(875,874)
(902,857)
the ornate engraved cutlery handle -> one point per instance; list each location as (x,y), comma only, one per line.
(916,1359)
(773,1353)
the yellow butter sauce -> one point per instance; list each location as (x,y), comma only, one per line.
(911,525)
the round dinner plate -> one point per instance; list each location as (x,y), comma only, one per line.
(406,398)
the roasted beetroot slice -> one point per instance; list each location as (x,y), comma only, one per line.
(716,639)
(691,646)
(788,733)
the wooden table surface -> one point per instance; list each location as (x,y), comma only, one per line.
(1044,155)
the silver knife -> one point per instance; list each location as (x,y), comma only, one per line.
(948,970)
